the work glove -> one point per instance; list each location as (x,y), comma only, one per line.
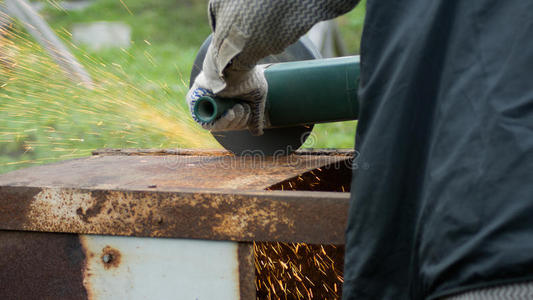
(248,86)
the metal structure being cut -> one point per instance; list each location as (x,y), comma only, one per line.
(136,224)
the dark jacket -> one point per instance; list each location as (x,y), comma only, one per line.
(443,189)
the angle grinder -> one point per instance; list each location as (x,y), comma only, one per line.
(303,90)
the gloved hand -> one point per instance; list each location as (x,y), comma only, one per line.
(249,86)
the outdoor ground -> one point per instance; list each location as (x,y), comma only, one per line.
(139,102)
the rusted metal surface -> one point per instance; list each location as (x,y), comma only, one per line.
(181,194)
(169,172)
(161,152)
(69,266)
(41,266)
(313,217)
(187,196)
(111,257)
(210,152)
(330,152)
(245,255)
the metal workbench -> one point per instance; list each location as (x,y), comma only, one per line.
(162,224)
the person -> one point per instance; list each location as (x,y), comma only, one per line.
(443,208)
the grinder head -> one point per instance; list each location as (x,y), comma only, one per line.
(274,141)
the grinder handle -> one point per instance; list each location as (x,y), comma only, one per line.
(300,93)
(208,109)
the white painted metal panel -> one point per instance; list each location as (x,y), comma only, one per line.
(159,268)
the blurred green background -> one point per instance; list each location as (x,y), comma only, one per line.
(165,37)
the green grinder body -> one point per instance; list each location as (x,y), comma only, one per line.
(301,93)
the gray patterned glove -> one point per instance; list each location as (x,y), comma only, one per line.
(245,31)
(249,86)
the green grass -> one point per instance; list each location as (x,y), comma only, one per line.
(351,27)
(165,37)
(170,31)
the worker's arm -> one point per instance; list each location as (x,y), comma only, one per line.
(245,31)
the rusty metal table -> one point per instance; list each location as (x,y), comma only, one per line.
(162,223)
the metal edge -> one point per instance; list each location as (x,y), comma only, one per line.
(209,152)
(311,217)
(245,254)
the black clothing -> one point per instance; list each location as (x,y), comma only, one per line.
(443,187)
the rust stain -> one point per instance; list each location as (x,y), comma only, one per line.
(96,208)
(41,266)
(245,258)
(238,221)
(245,216)
(15,205)
(86,269)
(110,257)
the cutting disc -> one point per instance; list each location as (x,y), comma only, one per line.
(274,141)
